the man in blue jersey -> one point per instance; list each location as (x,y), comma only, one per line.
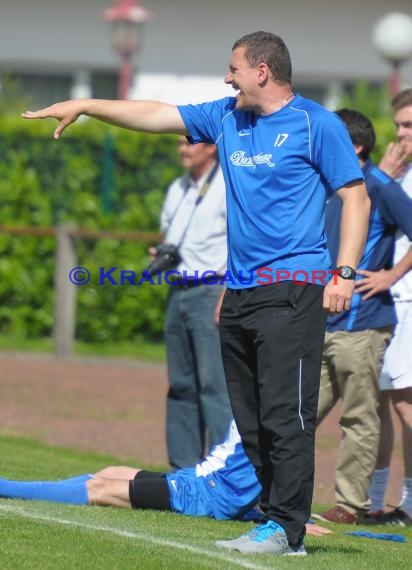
(223,486)
(356,339)
(280,155)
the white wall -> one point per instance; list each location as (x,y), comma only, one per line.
(324,36)
(188,43)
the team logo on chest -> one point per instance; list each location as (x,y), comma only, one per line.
(240,158)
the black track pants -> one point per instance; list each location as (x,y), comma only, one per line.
(272,339)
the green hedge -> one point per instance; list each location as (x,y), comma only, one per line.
(98,177)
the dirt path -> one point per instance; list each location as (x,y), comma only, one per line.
(118,407)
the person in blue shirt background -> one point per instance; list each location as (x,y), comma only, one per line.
(356,339)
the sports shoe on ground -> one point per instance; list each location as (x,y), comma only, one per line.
(268,538)
(336,515)
(397,517)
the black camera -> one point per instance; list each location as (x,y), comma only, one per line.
(167,256)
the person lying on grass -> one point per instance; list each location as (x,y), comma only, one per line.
(223,486)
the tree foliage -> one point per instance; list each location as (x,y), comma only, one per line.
(374,102)
(97,177)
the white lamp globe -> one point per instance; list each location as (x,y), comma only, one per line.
(392,37)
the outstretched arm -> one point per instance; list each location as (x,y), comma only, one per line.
(145,116)
(353,232)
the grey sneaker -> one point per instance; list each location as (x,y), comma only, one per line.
(268,538)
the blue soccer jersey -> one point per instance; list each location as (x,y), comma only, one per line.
(278,169)
(391,209)
(223,486)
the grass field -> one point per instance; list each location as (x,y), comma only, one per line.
(139,349)
(36,535)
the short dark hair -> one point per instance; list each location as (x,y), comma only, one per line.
(360,130)
(402,99)
(264,47)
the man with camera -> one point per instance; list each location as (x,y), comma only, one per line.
(193,223)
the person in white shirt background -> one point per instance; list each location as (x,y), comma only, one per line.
(396,377)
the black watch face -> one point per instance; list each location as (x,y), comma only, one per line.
(347,272)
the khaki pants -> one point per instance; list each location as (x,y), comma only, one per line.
(351,366)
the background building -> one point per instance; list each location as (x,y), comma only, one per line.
(54,49)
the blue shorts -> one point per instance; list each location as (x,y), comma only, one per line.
(211,495)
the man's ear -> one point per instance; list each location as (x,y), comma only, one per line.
(263,72)
(358,148)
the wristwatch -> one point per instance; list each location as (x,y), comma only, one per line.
(346,272)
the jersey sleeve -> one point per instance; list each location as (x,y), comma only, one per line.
(204,121)
(333,152)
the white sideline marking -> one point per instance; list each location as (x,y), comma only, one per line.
(128,534)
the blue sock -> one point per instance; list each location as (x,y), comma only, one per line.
(58,492)
(78,479)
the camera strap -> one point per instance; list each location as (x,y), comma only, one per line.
(202,193)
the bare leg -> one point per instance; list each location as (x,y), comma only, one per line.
(117,472)
(407,450)
(402,402)
(386,431)
(380,477)
(108,492)
(109,487)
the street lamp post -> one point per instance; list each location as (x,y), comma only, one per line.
(126,18)
(392,39)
